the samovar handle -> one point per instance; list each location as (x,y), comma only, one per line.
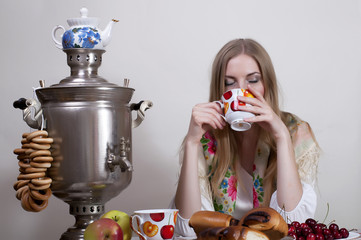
(140,107)
(32,113)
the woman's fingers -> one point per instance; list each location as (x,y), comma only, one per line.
(258,106)
(208,113)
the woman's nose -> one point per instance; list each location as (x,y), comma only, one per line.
(241,84)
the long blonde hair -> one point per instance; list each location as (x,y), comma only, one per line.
(226,140)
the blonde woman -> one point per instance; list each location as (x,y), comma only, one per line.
(272,164)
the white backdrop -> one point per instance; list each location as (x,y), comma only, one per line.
(166,48)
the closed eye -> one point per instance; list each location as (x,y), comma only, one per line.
(229,81)
(254,77)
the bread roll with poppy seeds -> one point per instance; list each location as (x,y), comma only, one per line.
(232,233)
(266,220)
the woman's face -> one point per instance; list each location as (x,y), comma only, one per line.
(241,71)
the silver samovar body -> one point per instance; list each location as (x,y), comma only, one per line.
(91,123)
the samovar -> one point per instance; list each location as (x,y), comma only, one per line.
(91,123)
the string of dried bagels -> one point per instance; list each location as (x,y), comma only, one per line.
(33,186)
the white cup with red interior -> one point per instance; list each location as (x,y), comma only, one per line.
(235,117)
(154,224)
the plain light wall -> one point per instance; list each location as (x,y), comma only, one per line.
(166,47)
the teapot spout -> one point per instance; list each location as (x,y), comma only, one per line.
(107,32)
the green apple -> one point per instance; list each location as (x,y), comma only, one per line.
(123,220)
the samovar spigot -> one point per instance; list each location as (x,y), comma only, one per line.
(120,160)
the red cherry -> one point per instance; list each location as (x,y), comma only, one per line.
(337,235)
(157,217)
(326,231)
(320,236)
(306,231)
(227,95)
(296,224)
(293,234)
(291,229)
(311,222)
(298,231)
(333,227)
(301,238)
(304,225)
(329,237)
(167,232)
(344,233)
(317,229)
(322,225)
(311,236)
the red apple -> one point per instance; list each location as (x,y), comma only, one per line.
(167,232)
(123,220)
(103,229)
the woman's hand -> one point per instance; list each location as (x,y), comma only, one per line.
(264,114)
(188,195)
(289,187)
(204,117)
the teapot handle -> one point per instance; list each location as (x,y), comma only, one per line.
(57,43)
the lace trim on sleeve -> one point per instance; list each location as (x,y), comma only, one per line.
(308,164)
(307,151)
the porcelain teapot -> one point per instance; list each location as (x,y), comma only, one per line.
(83,33)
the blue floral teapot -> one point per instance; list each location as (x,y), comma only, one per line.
(83,33)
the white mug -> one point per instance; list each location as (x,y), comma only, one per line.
(233,116)
(154,224)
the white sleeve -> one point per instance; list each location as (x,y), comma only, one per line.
(306,208)
(182,227)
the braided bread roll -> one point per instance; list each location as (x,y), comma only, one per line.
(266,220)
(202,220)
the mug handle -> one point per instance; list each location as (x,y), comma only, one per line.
(57,43)
(222,106)
(135,227)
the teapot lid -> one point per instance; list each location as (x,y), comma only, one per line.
(84,20)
